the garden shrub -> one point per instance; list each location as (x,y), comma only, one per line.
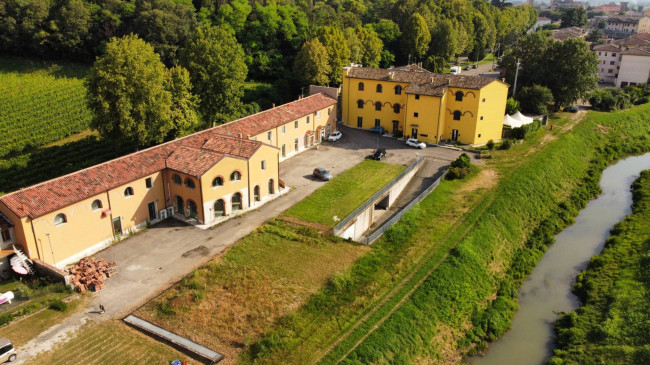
(506,144)
(490,145)
(459,168)
(535,99)
(512,106)
(59,305)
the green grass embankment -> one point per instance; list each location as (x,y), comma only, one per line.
(613,323)
(345,193)
(390,309)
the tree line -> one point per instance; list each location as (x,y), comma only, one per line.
(271,33)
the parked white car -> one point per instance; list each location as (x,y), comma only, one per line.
(334,136)
(415,143)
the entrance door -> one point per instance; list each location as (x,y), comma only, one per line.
(414,133)
(152,211)
(256,193)
(236,202)
(395,126)
(271,187)
(454,135)
(219,208)
(284,150)
(180,205)
(117,226)
(191,207)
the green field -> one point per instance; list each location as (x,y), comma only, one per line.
(613,323)
(442,281)
(345,193)
(41,103)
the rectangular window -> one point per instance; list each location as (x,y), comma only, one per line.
(611,62)
(284,129)
(377,122)
(424,135)
(307,120)
(484,100)
(359,122)
(610,71)
(269,135)
(613,54)
(263,164)
(481,118)
(417,96)
(318,114)
(329,111)
(295,144)
(479,135)
(5,235)
(149,182)
(415,115)
(295,124)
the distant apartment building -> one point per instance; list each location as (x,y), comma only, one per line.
(566,33)
(626,25)
(635,67)
(608,8)
(556,4)
(625,62)
(608,62)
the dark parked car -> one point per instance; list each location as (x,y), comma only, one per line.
(377,129)
(379,154)
(322,174)
(571,109)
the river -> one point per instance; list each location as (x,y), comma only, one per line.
(548,289)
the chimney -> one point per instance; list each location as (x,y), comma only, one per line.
(431,80)
(273,105)
(448,81)
(23,207)
(240,135)
(391,75)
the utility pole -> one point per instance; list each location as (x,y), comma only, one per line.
(51,250)
(494,54)
(514,88)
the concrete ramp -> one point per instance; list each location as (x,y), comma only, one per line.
(203,352)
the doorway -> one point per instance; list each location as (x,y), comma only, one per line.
(256,193)
(219,208)
(192,210)
(271,187)
(395,126)
(117,226)
(180,205)
(454,135)
(284,150)
(414,133)
(236,202)
(152,211)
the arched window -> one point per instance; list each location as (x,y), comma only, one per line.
(218,181)
(398,90)
(379,88)
(235,202)
(177,179)
(459,96)
(128,191)
(361,86)
(219,208)
(397,108)
(60,219)
(189,183)
(235,176)
(378,105)
(256,193)
(457,115)
(96,204)
(360,104)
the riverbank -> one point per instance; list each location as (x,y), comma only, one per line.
(611,326)
(462,290)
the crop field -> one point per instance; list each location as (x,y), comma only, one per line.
(41,103)
(345,193)
(110,342)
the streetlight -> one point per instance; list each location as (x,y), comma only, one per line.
(514,88)
(51,250)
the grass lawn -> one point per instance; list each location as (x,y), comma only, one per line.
(345,193)
(110,342)
(29,297)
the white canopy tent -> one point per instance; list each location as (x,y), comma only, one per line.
(523,118)
(516,120)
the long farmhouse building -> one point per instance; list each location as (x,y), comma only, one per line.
(204,178)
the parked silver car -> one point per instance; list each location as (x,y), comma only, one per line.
(7,351)
(322,174)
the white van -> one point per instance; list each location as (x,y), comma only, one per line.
(455,70)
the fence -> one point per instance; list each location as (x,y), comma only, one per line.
(339,227)
(374,235)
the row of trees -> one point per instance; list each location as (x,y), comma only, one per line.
(373,33)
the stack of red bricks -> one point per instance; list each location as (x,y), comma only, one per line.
(90,273)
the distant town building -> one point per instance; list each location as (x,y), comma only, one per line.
(556,4)
(608,62)
(635,67)
(625,61)
(542,21)
(626,25)
(608,8)
(566,33)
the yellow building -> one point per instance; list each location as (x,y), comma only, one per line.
(423,105)
(203,178)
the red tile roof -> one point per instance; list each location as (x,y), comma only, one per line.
(54,194)
(275,117)
(193,161)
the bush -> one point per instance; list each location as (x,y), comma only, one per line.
(59,305)
(521,132)
(512,106)
(462,162)
(506,144)
(535,99)
(609,99)
(490,145)
(456,173)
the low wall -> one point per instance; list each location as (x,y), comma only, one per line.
(357,223)
(46,269)
(379,231)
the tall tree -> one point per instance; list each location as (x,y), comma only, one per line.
(573,72)
(217,69)
(337,51)
(573,17)
(444,43)
(72,23)
(234,15)
(416,36)
(371,47)
(126,92)
(184,103)
(311,65)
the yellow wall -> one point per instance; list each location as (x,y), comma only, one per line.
(84,228)
(22,231)
(427,121)
(370,96)
(173,190)
(134,210)
(492,111)
(223,168)
(468,107)
(260,177)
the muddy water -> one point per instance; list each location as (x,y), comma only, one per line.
(548,289)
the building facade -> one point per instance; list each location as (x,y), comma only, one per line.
(626,25)
(608,62)
(635,68)
(419,104)
(203,178)
(625,62)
